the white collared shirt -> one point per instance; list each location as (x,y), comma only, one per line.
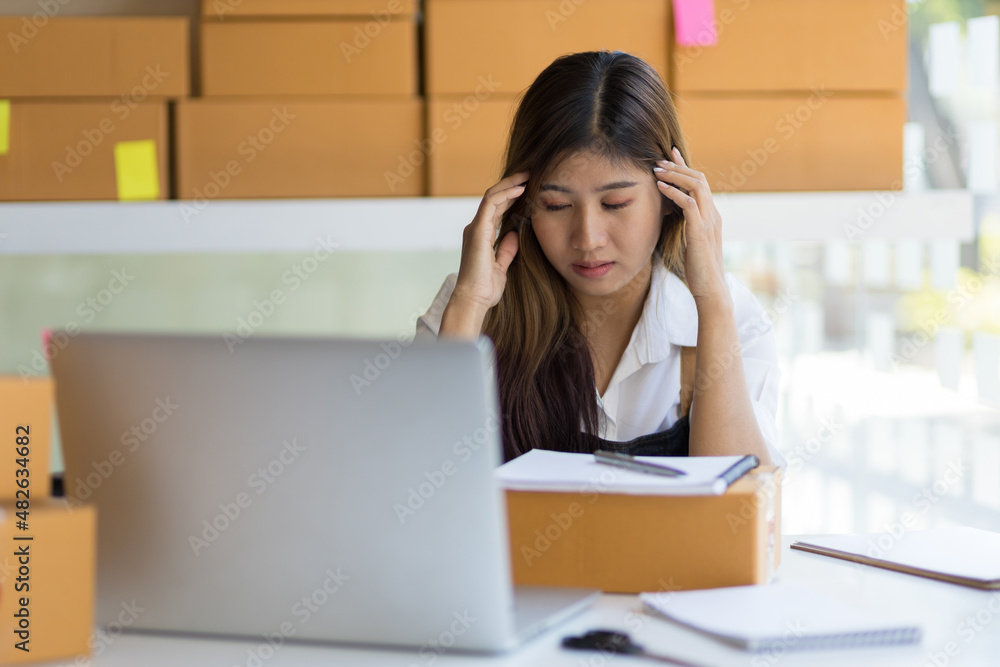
(644,393)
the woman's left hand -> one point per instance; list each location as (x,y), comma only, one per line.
(703,267)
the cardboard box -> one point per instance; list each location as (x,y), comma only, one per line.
(47,580)
(78,151)
(95,57)
(469,135)
(457,57)
(805,141)
(336,57)
(380,9)
(26,421)
(771,45)
(236,149)
(621,543)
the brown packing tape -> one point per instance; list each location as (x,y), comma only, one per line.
(638,543)
(369,9)
(47,583)
(26,406)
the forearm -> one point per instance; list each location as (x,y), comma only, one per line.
(461,319)
(723,422)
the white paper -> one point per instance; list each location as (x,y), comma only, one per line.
(961,551)
(759,616)
(983,35)
(987,350)
(944,48)
(945,255)
(983,149)
(948,346)
(546,470)
(909,264)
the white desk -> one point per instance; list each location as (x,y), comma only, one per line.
(942,610)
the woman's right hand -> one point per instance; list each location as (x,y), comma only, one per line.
(482,275)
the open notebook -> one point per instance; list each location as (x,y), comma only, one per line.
(956,554)
(545,470)
(784,614)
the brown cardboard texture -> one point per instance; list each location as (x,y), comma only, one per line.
(305,147)
(520,38)
(786,45)
(95,57)
(26,421)
(48,581)
(66,150)
(746,142)
(309,58)
(469,136)
(621,543)
(378,10)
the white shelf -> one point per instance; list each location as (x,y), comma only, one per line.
(436,223)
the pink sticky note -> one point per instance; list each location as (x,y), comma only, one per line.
(694,23)
(46,338)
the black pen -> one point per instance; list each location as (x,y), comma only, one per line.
(630,462)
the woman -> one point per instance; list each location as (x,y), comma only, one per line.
(595,266)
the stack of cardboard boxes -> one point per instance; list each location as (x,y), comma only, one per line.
(83,112)
(797,95)
(481,54)
(47,545)
(303,98)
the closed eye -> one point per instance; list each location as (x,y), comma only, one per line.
(607,206)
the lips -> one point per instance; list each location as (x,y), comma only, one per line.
(589,265)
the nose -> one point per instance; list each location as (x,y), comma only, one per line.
(588,231)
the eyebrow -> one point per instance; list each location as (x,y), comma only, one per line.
(610,186)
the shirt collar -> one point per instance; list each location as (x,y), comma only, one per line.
(669,309)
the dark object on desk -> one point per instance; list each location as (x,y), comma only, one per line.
(631,463)
(612,641)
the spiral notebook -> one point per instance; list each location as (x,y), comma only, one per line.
(546,470)
(782,614)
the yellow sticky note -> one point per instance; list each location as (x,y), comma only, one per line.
(137,171)
(4,126)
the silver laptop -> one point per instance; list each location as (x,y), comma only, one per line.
(297,488)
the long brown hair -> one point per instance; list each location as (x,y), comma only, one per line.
(615,105)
